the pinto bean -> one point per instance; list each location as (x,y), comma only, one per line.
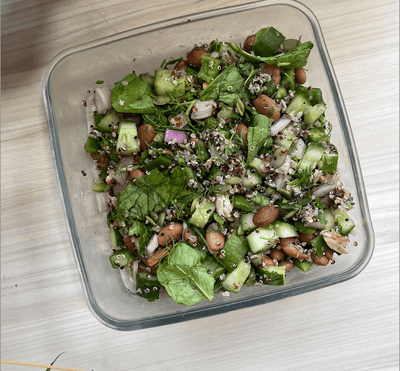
(277,254)
(248,43)
(275,73)
(194,56)
(170,232)
(290,247)
(265,216)
(319,260)
(300,75)
(267,107)
(242,130)
(287,264)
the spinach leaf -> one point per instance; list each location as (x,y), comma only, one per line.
(154,192)
(226,87)
(294,58)
(180,178)
(257,134)
(132,95)
(143,232)
(150,193)
(184,277)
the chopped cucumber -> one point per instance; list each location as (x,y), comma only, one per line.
(258,165)
(330,219)
(319,244)
(202,213)
(240,202)
(252,278)
(107,123)
(100,187)
(343,221)
(262,239)
(128,141)
(311,114)
(274,276)
(164,84)
(312,155)
(303,265)
(213,267)
(284,229)
(116,238)
(246,222)
(121,258)
(250,180)
(302,229)
(234,280)
(329,163)
(92,145)
(298,104)
(233,252)
(148,286)
(266,41)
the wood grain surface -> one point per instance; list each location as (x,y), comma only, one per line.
(350,326)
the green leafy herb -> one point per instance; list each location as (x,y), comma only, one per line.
(132,95)
(52,363)
(154,192)
(257,135)
(294,58)
(99,82)
(302,179)
(184,277)
(226,87)
(143,232)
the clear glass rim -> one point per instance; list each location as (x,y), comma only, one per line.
(128,325)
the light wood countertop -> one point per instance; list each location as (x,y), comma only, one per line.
(351,326)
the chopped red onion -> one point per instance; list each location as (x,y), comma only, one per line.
(178,136)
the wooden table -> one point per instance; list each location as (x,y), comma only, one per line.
(350,326)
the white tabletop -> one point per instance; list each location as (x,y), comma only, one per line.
(349,326)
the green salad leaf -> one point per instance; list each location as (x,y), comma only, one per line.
(257,134)
(143,232)
(154,192)
(294,58)
(226,87)
(132,95)
(184,277)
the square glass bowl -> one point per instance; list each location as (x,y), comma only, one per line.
(74,71)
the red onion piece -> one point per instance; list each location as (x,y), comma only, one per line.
(180,136)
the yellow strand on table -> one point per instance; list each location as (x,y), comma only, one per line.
(41,366)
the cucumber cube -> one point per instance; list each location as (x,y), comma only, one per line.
(274,276)
(234,280)
(128,141)
(262,239)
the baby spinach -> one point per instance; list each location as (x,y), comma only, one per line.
(294,58)
(184,277)
(132,95)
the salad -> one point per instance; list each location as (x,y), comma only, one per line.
(217,171)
